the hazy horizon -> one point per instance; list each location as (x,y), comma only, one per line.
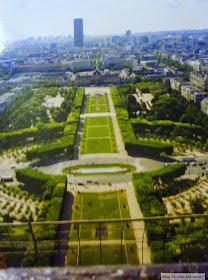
(21,19)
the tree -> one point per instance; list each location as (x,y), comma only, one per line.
(197,205)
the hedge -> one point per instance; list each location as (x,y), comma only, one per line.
(122,114)
(29,176)
(151,205)
(144,124)
(126,131)
(13,138)
(59,190)
(70,129)
(49,130)
(53,149)
(54,211)
(73,116)
(79,98)
(40,131)
(170,172)
(150,147)
(116,97)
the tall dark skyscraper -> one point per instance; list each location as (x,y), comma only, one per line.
(78,32)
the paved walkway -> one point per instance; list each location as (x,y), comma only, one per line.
(83,116)
(119,140)
(139,227)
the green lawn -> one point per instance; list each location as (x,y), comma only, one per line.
(109,205)
(95,146)
(110,254)
(97,109)
(98,121)
(98,131)
(98,136)
(97,104)
(92,206)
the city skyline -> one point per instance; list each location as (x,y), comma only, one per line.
(47,18)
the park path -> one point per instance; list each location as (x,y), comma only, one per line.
(119,140)
(139,227)
(107,114)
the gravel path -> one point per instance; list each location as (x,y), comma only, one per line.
(139,227)
(119,140)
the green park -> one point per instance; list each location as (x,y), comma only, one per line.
(98,136)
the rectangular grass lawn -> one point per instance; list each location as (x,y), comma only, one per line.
(92,99)
(97,104)
(92,206)
(110,254)
(107,205)
(98,136)
(100,145)
(97,121)
(97,108)
(100,131)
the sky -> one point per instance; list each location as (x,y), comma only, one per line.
(25,18)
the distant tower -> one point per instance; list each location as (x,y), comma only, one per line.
(78,32)
(128,35)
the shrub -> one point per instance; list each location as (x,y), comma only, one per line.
(29,176)
(59,190)
(150,147)
(49,130)
(14,138)
(79,98)
(53,149)
(55,209)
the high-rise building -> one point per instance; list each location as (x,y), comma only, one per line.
(78,32)
(128,35)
